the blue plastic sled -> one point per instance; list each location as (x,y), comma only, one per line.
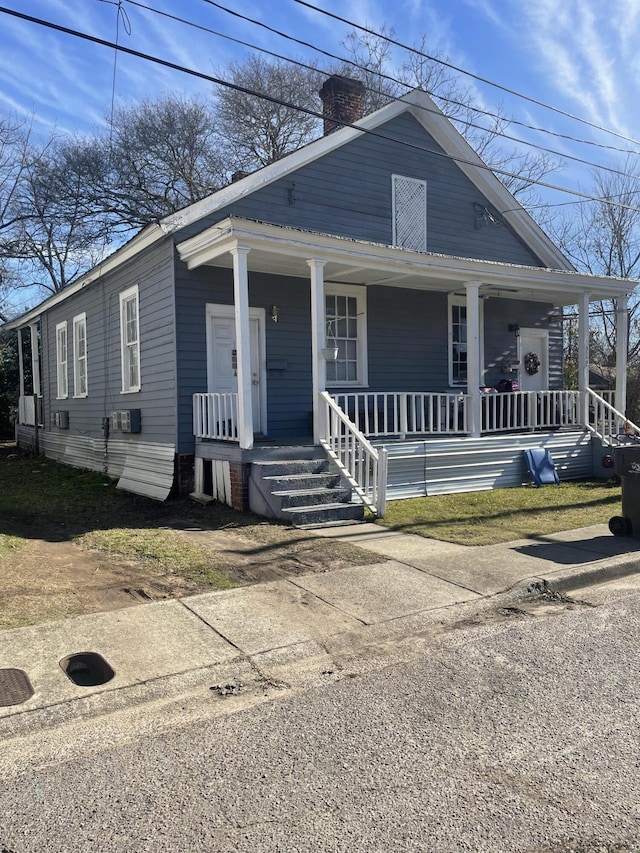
(541,466)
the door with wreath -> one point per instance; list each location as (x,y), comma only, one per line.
(534,360)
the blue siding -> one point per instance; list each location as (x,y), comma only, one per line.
(152,271)
(406,331)
(348,193)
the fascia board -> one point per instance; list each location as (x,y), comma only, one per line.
(147,237)
(433,120)
(229,234)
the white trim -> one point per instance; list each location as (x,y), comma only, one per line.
(436,271)
(80,322)
(62,375)
(456,299)
(125,296)
(360,295)
(227,312)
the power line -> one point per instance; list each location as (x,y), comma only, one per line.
(467,73)
(384,76)
(247,91)
(390,97)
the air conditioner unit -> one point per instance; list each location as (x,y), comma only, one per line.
(126,420)
(60,420)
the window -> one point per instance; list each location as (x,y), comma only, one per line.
(458,339)
(62,361)
(130,340)
(409,211)
(345,315)
(80,355)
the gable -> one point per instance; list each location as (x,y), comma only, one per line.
(347,192)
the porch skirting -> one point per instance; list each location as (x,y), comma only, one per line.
(144,468)
(451,465)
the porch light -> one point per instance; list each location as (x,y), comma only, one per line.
(515,328)
(275,313)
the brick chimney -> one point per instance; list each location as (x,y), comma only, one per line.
(342,102)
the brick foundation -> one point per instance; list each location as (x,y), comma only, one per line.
(183,474)
(239,476)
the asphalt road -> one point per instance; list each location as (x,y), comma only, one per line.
(518,732)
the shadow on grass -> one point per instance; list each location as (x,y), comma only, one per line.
(42,499)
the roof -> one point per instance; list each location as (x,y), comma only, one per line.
(418,104)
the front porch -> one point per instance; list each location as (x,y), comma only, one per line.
(404,444)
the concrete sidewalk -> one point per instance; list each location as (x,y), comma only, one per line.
(408,585)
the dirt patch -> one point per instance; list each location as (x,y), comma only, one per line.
(71,543)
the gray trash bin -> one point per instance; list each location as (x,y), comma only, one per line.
(626,463)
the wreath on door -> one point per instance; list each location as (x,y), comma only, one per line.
(531,363)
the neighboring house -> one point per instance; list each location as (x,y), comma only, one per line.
(359,300)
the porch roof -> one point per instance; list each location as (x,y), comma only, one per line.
(285,251)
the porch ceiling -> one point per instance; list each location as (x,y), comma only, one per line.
(285,251)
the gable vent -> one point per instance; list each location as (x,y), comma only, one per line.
(409,213)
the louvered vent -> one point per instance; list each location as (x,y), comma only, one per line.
(410,213)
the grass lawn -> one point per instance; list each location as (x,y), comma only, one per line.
(502,515)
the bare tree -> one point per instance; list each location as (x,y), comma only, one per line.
(255,131)
(161,156)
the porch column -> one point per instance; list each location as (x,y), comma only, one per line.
(474,368)
(243,345)
(583,357)
(622,333)
(35,361)
(318,341)
(21,362)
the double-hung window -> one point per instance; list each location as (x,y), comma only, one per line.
(130,340)
(346,331)
(80,387)
(62,359)
(458,335)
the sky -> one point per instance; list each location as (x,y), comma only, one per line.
(579,56)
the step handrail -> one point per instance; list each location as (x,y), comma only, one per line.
(363,465)
(614,416)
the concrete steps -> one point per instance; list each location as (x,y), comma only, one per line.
(303,492)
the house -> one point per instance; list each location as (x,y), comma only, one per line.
(372,316)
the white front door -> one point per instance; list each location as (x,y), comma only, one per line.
(222,373)
(534,353)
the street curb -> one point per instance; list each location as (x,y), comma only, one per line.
(610,568)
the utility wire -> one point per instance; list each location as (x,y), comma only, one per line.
(252,92)
(467,73)
(390,97)
(384,76)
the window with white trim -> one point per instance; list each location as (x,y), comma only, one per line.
(62,358)
(409,212)
(130,340)
(346,332)
(458,338)
(80,356)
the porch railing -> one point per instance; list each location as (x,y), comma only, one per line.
(401,414)
(216,416)
(363,465)
(404,414)
(607,422)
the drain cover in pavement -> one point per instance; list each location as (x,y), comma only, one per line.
(15,687)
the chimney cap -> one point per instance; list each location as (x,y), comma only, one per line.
(343,84)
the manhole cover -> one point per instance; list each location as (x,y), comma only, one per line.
(15,687)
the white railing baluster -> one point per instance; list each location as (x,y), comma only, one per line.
(215,416)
